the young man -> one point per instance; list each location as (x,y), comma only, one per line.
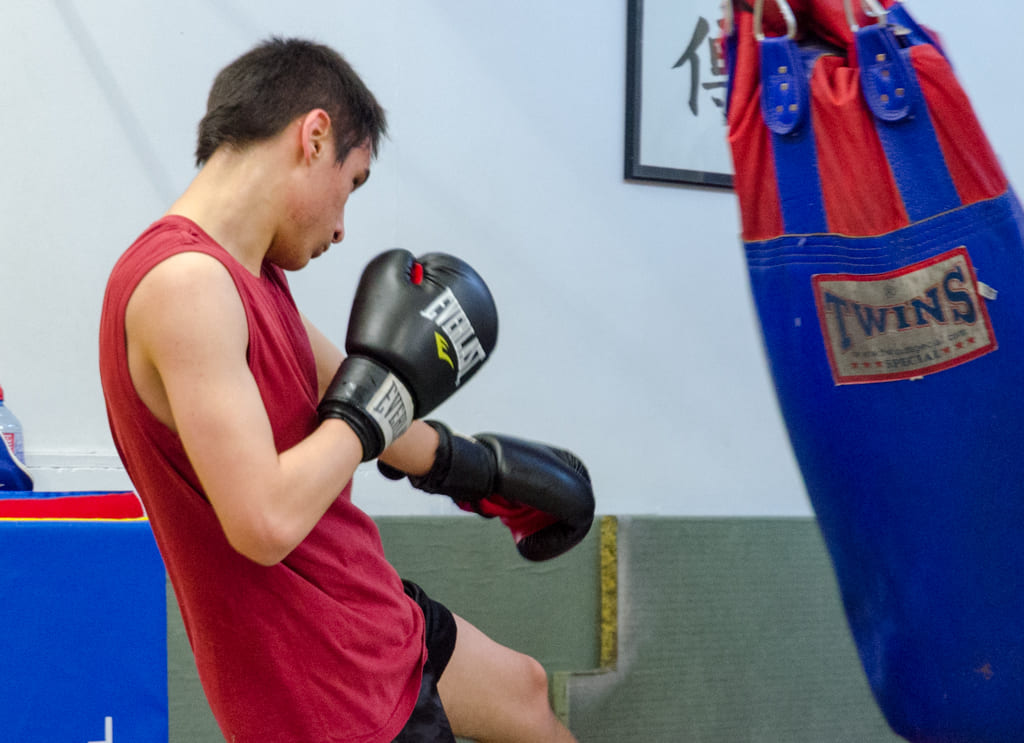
(241,426)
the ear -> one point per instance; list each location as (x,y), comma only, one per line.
(315,134)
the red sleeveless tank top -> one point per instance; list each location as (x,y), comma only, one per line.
(322,647)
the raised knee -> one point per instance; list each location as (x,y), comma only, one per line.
(536,681)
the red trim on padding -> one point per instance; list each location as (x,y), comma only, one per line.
(71,505)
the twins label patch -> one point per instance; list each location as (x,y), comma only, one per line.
(906,323)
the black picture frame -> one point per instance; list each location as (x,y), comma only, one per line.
(671,162)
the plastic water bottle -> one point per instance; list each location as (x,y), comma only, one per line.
(10,429)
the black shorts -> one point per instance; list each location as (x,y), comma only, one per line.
(428,722)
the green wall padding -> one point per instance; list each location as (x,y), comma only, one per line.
(729,631)
(549,610)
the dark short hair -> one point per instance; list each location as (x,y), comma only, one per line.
(259,94)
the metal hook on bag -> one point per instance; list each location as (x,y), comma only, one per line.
(875,9)
(787,14)
(872,9)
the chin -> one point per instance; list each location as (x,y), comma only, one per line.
(292,263)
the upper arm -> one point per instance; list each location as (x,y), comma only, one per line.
(185,322)
(188,335)
(328,356)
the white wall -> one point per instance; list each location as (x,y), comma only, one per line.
(626,327)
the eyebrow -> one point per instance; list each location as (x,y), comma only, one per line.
(361,179)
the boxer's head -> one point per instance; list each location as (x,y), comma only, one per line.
(259,94)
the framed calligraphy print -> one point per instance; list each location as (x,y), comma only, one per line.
(675,93)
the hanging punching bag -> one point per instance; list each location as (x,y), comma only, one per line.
(884,248)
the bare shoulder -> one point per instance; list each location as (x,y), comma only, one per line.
(186,284)
(182,275)
(184,322)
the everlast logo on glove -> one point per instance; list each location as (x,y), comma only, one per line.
(392,405)
(446,312)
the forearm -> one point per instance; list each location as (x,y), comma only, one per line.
(267,515)
(413,452)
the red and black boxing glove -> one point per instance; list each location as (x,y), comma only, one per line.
(420,328)
(541,493)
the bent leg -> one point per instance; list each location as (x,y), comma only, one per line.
(494,694)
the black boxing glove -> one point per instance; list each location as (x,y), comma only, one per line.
(541,493)
(419,329)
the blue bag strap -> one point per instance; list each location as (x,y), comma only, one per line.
(904,126)
(911,30)
(786,107)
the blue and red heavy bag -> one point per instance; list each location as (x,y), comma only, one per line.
(884,247)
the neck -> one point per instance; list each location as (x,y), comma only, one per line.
(233,199)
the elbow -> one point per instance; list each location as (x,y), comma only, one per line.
(266,545)
(267,557)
